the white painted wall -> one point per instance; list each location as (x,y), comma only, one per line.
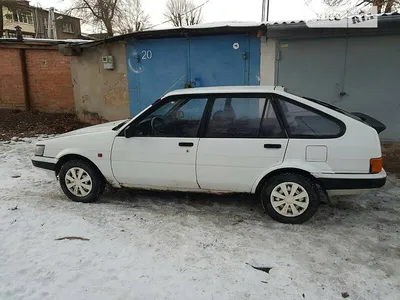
(268,61)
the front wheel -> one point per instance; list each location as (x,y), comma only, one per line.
(290,198)
(81,181)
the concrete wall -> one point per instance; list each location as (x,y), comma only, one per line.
(49,80)
(100,94)
(268,61)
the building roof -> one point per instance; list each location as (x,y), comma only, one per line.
(323,20)
(48,41)
(38,43)
(387,22)
(225,89)
(56,12)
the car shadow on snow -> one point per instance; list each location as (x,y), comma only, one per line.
(166,198)
(167,202)
(240,206)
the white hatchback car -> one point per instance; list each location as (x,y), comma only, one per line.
(241,139)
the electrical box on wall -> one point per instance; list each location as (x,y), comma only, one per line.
(108,62)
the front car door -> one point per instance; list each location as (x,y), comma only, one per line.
(242,139)
(161,152)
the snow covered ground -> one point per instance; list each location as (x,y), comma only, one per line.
(146,245)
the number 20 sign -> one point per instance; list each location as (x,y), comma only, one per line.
(146,54)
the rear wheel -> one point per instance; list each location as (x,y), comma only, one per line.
(81,181)
(290,198)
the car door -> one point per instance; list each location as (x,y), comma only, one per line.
(242,139)
(160,150)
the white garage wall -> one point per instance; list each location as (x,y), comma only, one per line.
(268,61)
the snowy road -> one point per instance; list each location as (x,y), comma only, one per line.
(178,246)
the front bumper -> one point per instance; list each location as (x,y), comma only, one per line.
(47,163)
(352,181)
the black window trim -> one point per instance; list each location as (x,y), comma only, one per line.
(314,110)
(211,97)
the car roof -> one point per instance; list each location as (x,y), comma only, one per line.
(225,89)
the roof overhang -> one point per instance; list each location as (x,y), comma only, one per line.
(387,24)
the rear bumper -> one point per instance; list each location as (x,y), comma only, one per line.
(46,163)
(352,184)
(353,181)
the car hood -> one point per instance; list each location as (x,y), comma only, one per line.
(93,129)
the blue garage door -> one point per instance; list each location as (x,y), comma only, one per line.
(156,67)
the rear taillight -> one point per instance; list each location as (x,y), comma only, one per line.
(375,165)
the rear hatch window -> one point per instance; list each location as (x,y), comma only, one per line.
(378,126)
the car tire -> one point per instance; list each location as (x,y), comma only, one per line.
(81,181)
(290,198)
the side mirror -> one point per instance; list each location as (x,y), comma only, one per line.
(180,114)
(127,132)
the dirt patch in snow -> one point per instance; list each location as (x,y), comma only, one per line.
(17,123)
(391,157)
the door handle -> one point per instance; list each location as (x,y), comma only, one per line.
(182,144)
(273,146)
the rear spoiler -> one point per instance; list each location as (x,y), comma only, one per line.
(374,123)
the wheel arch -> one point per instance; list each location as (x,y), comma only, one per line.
(294,170)
(67,157)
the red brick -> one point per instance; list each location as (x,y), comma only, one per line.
(49,80)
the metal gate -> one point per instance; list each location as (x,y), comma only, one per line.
(161,65)
(356,74)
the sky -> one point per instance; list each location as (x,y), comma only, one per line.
(223,10)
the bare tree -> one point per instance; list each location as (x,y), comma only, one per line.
(132,17)
(98,13)
(11,6)
(183,13)
(382,5)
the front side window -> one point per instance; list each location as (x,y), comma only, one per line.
(235,118)
(175,118)
(303,122)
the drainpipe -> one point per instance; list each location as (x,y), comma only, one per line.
(24,69)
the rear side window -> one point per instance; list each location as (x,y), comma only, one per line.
(235,118)
(238,117)
(270,126)
(303,122)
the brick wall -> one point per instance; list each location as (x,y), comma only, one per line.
(49,80)
(11,93)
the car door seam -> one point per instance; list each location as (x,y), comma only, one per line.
(195,163)
(111,164)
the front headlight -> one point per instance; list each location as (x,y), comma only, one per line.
(39,150)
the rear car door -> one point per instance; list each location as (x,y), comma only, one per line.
(160,151)
(242,138)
